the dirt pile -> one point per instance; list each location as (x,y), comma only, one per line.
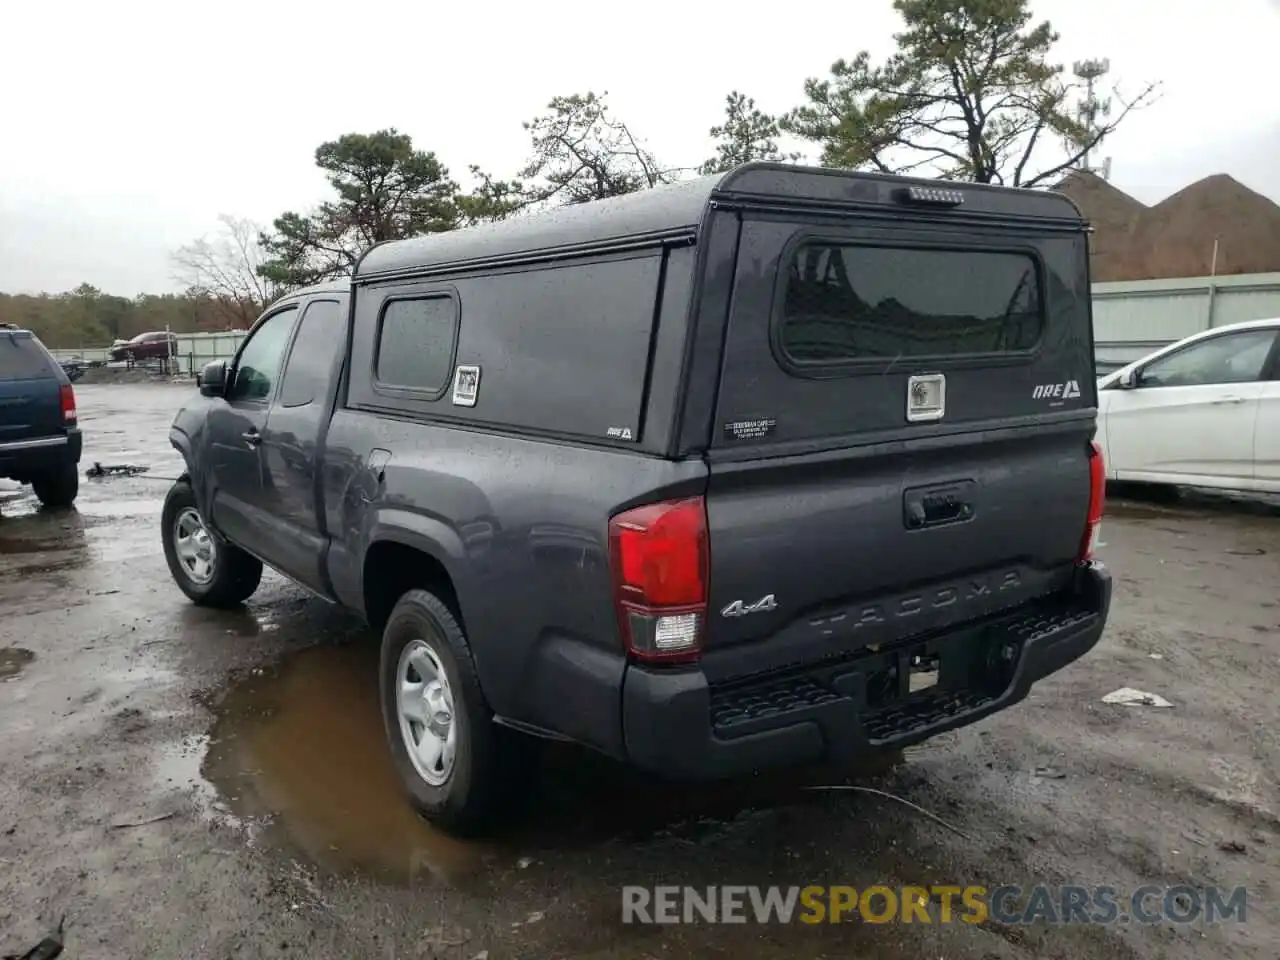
(1113,214)
(120,375)
(1175,238)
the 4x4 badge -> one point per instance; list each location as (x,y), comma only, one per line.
(740,609)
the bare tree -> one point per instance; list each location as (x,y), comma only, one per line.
(225,268)
(582,152)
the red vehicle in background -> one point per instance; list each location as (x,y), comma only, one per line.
(146,346)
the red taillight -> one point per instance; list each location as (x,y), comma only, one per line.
(67,399)
(1097,496)
(661,560)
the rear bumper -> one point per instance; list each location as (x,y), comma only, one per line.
(676,725)
(23,459)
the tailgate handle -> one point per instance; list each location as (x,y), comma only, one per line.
(924,507)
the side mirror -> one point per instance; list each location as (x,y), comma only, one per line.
(1129,379)
(212,378)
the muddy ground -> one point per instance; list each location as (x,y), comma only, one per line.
(177,782)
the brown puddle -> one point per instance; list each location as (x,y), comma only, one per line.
(303,743)
(301,746)
(12,661)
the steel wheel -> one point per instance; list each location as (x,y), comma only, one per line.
(424,704)
(195,547)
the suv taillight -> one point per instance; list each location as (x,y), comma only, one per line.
(1097,496)
(661,561)
(67,399)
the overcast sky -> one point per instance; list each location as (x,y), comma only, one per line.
(127,127)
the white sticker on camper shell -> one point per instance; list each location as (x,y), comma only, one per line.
(466,385)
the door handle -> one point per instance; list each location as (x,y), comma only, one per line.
(1229,400)
(935,506)
(252,437)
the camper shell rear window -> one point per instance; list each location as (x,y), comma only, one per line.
(842,304)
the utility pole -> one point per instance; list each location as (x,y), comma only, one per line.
(1091,109)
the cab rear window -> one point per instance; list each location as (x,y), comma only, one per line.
(845,303)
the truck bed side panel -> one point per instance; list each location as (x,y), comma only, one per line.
(521,526)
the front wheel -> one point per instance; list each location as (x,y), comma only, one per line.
(458,767)
(211,573)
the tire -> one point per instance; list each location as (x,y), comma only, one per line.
(226,577)
(491,767)
(57,488)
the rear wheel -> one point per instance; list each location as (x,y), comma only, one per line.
(458,766)
(212,573)
(57,487)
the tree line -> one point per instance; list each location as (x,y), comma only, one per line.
(87,317)
(970,92)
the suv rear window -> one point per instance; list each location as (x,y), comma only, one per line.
(847,303)
(22,358)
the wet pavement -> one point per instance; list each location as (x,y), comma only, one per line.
(179,782)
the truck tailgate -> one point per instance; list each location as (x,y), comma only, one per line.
(824,553)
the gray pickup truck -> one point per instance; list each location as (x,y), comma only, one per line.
(765,468)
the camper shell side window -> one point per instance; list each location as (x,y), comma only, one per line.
(557,349)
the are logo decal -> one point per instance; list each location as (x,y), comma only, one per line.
(1056,391)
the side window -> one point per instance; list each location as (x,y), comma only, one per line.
(416,340)
(1232,358)
(259,363)
(310,363)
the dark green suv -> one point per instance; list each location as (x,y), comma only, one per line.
(39,437)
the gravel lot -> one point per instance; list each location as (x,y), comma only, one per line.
(185,783)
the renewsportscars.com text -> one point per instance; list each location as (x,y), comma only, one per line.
(933,904)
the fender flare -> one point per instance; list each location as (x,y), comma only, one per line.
(417,530)
(182,443)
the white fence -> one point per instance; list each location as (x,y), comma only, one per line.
(197,349)
(1130,319)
